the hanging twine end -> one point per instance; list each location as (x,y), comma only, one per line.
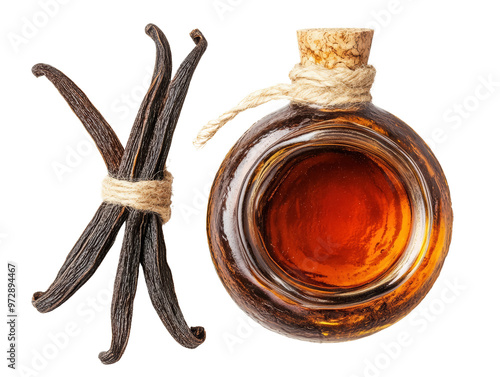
(333,71)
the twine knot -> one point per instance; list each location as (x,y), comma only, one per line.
(310,85)
(150,196)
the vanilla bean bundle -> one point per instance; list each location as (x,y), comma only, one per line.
(143,162)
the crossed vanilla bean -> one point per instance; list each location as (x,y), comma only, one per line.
(143,159)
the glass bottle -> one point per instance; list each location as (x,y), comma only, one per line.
(329,224)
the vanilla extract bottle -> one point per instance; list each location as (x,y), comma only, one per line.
(329,219)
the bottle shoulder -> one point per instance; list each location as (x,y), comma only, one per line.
(298,118)
(293,117)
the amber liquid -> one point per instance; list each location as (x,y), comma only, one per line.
(335,218)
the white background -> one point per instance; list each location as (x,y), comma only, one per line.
(434,60)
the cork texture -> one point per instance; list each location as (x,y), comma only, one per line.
(332,47)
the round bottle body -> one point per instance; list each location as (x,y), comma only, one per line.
(329,224)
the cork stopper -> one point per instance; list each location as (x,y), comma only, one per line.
(332,47)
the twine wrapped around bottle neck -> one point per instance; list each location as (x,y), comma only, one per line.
(332,72)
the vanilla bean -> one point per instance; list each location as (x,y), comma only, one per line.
(84,258)
(125,287)
(143,159)
(151,106)
(101,132)
(161,287)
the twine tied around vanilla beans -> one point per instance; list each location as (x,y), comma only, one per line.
(151,196)
(310,85)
